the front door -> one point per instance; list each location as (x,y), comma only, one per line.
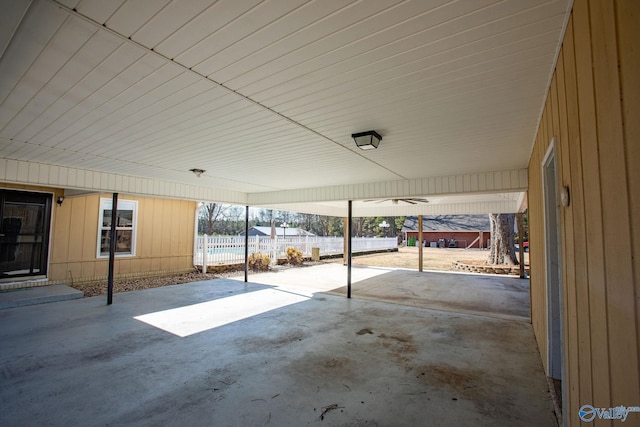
(24,233)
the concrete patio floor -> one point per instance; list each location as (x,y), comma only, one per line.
(501,296)
(84,363)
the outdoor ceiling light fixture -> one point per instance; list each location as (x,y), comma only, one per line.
(368,140)
(197,172)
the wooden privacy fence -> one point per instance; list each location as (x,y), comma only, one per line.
(224,250)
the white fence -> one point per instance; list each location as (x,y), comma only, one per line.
(221,250)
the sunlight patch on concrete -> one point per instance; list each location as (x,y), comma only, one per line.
(191,319)
(319,278)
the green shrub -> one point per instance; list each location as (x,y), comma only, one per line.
(259,261)
(294,256)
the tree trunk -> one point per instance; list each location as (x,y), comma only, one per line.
(359,226)
(503,248)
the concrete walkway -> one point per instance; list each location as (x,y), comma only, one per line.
(315,359)
(37,295)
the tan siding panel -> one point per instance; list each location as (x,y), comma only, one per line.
(145,264)
(156,222)
(173,230)
(135,264)
(144,242)
(593,215)
(76,232)
(156,264)
(616,227)
(88,269)
(61,226)
(628,16)
(536,239)
(578,215)
(74,271)
(124,265)
(58,271)
(90,236)
(568,251)
(596,131)
(166,230)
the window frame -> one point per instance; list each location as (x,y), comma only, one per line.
(124,204)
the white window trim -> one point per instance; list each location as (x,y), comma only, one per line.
(106,203)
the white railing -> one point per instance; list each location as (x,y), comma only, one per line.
(222,250)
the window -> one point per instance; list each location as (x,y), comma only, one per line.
(126,219)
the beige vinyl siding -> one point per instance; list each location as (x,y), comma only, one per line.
(628,17)
(164,239)
(592,110)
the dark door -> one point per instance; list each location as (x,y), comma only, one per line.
(24,233)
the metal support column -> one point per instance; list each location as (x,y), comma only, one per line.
(345,243)
(420,243)
(349,248)
(112,247)
(246,244)
(521,243)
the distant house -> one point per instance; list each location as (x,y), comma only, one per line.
(466,230)
(280,231)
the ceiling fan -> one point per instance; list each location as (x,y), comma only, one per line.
(411,201)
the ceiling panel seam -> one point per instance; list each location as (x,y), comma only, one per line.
(13,31)
(78,15)
(52,41)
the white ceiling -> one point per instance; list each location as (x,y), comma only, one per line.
(264,95)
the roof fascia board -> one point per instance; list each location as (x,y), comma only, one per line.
(31,173)
(475,183)
(486,207)
(303,200)
(467,208)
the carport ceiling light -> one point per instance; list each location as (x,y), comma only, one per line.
(368,140)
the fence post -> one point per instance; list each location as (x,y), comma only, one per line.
(205,251)
(274,248)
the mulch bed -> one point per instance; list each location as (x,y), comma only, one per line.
(136,284)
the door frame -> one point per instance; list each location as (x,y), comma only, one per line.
(553,268)
(49,236)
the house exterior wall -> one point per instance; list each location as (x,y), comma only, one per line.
(592,111)
(460,236)
(164,238)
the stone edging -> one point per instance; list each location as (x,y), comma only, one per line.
(489,269)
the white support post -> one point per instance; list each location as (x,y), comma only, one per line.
(205,252)
(274,258)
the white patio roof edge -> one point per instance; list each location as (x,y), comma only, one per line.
(487,192)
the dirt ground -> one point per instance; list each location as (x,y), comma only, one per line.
(440,259)
(433,258)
